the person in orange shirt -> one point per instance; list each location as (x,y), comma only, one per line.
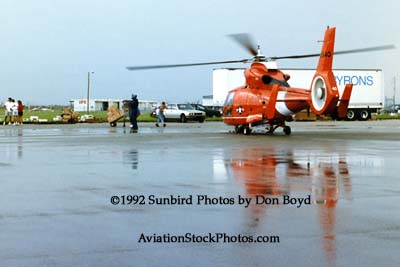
(20,109)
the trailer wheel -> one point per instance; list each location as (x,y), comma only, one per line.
(350,115)
(363,115)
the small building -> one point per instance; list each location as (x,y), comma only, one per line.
(80,105)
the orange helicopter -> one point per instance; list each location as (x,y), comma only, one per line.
(267,98)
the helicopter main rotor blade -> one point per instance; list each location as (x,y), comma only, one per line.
(245,40)
(185,65)
(360,50)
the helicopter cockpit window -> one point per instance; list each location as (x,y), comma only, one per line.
(271,81)
(229,99)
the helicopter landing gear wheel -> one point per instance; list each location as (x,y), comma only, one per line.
(238,129)
(247,130)
(270,129)
(287,130)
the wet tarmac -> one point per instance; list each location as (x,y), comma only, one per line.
(195,194)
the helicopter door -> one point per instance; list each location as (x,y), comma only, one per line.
(253,104)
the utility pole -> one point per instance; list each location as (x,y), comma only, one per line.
(88,91)
(394,90)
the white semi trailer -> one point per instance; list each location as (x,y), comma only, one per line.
(367,96)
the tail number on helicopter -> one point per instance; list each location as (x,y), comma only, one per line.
(326,54)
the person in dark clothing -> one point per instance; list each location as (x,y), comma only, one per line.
(134,112)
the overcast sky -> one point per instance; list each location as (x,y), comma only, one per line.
(48,46)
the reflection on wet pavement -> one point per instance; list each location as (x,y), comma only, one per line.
(269,173)
(132,157)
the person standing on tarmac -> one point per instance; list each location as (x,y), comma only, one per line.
(9,112)
(8,109)
(134,112)
(160,115)
(14,107)
(20,112)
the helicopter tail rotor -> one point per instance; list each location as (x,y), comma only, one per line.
(324,94)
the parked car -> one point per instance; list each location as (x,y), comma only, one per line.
(209,112)
(183,113)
